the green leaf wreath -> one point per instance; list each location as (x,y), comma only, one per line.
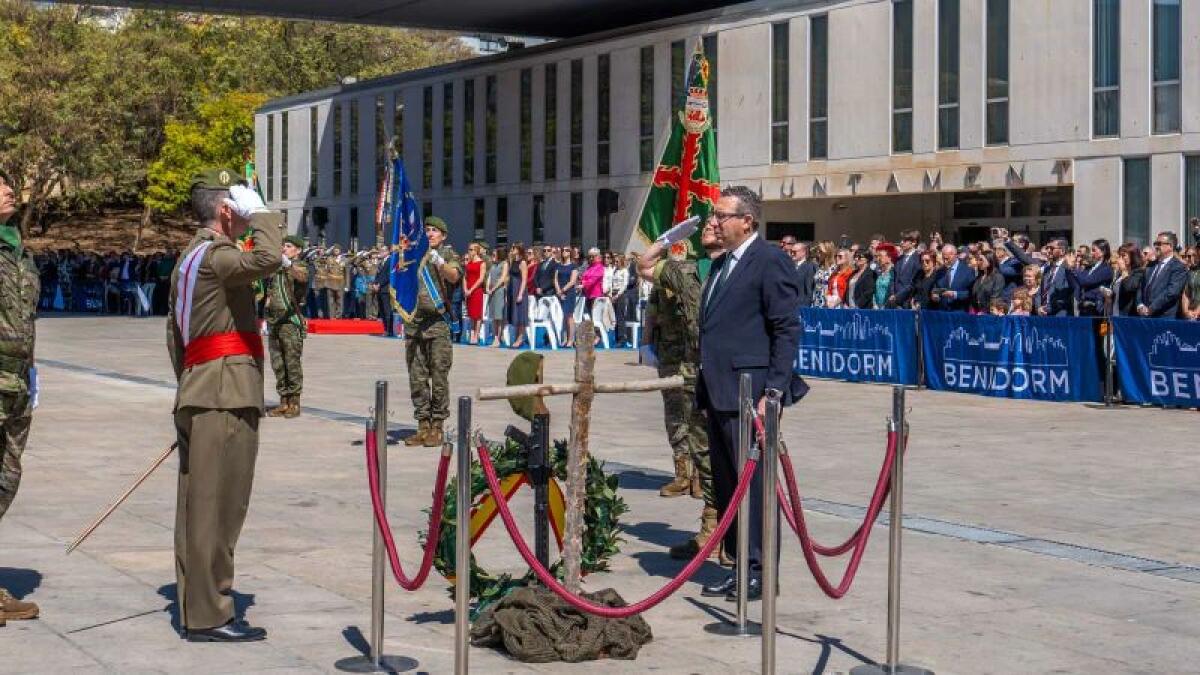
(602,509)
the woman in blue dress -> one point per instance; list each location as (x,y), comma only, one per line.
(566,285)
(518,303)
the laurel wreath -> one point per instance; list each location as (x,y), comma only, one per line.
(602,510)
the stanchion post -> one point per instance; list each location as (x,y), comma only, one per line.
(1109,357)
(462,558)
(539,470)
(770,539)
(920,351)
(899,426)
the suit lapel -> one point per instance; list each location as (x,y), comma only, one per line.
(735,273)
(713,273)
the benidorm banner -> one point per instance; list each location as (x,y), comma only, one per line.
(1041,358)
(858,345)
(1158,360)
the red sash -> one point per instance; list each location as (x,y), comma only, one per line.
(212,347)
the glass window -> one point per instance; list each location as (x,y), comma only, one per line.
(779,92)
(577,118)
(526,124)
(270,158)
(313,159)
(468,167)
(1191,181)
(948,34)
(678,73)
(447,134)
(480,229)
(997,72)
(381,139)
(1056,201)
(539,219)
(603,111)
(489,127)
(550,169)
(283,156)
(1137,200)
(646,111)
(1166,67)
(354,147)
(501,220)
(577,219)
(902,75)
(337,149)
(1106,66)
(711,52)
(818,100)
(981,204)
(427,138)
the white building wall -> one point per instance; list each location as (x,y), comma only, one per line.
(1135,69)
(1050,71)
(860,107)
(1098,204)
(1166,191)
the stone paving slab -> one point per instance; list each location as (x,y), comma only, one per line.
(1062,477)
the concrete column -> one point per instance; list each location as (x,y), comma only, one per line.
(1135,69)
(1098,199)
(1166,193)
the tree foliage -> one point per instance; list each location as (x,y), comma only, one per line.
(107,105)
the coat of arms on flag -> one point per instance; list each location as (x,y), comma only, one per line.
(686,181)
(399,216)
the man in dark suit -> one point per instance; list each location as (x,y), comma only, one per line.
(382,285)
(543,277)
(749,323)
(952,289)
(806,272)
(1056,297)
(907,267)
(1165,280)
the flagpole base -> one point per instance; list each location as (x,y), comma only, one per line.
(884,669)
(730,629)
(388,663)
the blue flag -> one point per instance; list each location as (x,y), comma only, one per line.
(401,216)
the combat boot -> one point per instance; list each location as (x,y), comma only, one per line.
(293,409)
(13,609)
(436,436)
(280,409)
(697,487)
(682,484)
(688,549)
(419,437)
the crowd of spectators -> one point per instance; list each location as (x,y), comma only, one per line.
(1003,276)
(110,283)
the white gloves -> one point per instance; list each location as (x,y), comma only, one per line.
(245,201)
(647,356)
(287,262)
(35,387)
(680,232)
(436,258)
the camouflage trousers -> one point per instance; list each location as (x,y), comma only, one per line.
(686,427)
(15,416)
(429,359)
(286,342)
(370,305)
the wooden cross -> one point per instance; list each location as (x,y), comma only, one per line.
(582,391)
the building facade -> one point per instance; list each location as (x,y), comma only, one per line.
(1076,117)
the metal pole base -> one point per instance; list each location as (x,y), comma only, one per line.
(729,629)
(388,663)
(884,669)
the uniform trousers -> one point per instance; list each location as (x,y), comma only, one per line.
(16,413)
(723,454)
(217,451)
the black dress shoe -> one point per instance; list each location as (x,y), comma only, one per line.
(753,591)
(725,587)
(234,631)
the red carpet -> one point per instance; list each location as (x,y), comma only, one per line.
(345,327)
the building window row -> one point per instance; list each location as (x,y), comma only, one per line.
(779,92)
(818,88)
(447,134)
(576,119)
(550,164)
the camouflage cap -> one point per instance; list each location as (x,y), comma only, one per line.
(437,224)
(215,178)
(295,240)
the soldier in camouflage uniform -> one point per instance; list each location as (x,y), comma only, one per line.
(333,279)
(427,347)
(285,322)
(675,337)
(20,288)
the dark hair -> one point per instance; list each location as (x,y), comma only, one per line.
(1136,262)
(501,252)
(1171,236)
(748,202)
(206,203)
(1104,247)
(911,235)
(990,257)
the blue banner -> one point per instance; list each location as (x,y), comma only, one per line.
(401,217)
(1042,358)
(858,345)
(1158,360)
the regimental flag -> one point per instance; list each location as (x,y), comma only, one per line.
(686,182)
(400,216)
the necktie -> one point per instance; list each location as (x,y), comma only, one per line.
(720,280)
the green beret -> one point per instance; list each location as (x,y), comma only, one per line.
(215,179)
(295,240)
(437,223)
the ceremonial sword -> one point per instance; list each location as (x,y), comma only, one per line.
(120,500)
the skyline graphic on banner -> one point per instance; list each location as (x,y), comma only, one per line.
(1046,350)
(1171,352)
(860,329)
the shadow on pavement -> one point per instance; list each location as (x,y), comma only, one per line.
(241,602)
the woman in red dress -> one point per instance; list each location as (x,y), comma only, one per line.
(476,272)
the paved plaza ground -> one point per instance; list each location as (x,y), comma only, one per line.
(1040,538)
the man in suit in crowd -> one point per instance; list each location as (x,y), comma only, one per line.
(749,323)
(1165,280)
(952,290)
(1056,297)
(806,273)
(907,267)
(543,277)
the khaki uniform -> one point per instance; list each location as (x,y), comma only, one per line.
(368,269)
(286,328)
(427,348)
(217,408)
(676,340)
(332,276)
(19,291)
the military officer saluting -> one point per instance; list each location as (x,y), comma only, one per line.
(427,348)
(285,323)
(19,290)
(215,348)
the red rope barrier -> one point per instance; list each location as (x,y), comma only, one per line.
(381,519)
(544,575)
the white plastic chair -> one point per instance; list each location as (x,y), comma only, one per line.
(542,317)
(604,318)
